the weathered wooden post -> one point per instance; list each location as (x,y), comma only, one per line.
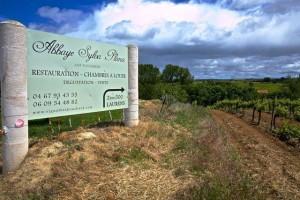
(132,112)
(13,67)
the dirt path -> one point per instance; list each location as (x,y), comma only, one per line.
(267,159)
(266,120)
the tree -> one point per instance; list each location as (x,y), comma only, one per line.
(175,73)
(148,74)
(175,90)
(267,79)
(294,87)
(149,77)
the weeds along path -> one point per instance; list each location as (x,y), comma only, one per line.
(268,160)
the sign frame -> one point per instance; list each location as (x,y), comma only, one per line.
(68,76)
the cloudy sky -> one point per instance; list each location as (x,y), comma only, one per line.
(213,38)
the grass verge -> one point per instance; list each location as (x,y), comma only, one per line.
(44,128)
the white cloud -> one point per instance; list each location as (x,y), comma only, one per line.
(60,20)
(235,37)
(59,15)
(164,23)
(180,23)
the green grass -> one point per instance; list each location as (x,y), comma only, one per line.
(216,181)
(134,155)
(222,188)
(270,87)
(152,133)
(41,128)
(190,117)
(185,115)
(182,144)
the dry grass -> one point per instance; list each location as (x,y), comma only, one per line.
(168,156)
(120,163)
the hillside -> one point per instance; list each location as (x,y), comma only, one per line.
(185,152)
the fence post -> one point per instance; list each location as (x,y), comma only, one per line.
(13,72)
(132,112)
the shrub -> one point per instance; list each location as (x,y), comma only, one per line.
(297,115)
(288,131)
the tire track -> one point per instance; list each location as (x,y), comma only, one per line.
(265,157)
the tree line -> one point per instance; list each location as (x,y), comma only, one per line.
(178,82)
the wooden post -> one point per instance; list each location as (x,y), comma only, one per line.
(132,112)
(110,115)
(13,67)
(70,122)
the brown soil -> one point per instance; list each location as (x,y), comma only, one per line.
(266,120)
(268,160)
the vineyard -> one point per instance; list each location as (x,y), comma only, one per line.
(286,109)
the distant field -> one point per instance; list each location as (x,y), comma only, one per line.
(270,87)
(263,86)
